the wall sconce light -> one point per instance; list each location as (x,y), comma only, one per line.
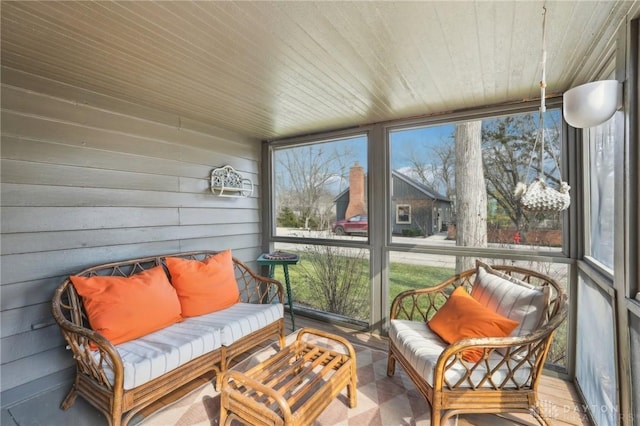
(592,104)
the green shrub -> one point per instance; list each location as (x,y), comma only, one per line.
(337,280)
(288,219)
(414,232)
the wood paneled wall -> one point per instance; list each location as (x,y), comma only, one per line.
(88,179)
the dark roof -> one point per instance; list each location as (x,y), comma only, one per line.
(429,192)
(337,197)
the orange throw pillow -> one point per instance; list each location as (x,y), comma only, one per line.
(204,287)
(463,317)
(125,308)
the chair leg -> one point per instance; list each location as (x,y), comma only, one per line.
(439,414)
(435,416)
(539,416)
(116,418)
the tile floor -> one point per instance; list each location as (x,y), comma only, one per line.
(559,396)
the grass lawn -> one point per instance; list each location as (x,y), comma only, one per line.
(403,276)
(406,276)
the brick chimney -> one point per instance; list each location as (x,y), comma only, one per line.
(356,192)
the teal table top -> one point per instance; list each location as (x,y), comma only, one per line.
(278,258)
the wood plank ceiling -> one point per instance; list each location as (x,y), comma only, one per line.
(276,69)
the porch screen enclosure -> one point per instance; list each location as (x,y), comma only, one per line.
(436,195)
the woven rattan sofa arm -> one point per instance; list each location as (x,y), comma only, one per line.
(91,350)
(254,287)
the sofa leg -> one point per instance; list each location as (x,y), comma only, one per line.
(70,399)
(218,383)
(224,363)
(116,418)
(282,341)
(391,365)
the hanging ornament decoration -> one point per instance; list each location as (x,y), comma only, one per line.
(537,196)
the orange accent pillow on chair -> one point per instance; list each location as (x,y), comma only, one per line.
(463,317)
(125,308)
(204,287)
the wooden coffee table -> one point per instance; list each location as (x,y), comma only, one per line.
(293,386)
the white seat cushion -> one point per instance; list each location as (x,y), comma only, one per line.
(157,353)
(422,348)
(512,298)
(240,320)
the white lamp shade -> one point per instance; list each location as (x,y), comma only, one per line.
(592,104)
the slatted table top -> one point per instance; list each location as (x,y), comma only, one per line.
(291,387)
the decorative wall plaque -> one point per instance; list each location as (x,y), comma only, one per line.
(227,182)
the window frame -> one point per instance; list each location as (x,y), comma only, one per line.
(382,211)
(587,139)
(270,213)
(566,163)
(398,208)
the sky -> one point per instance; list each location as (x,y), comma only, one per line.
(417,141)
(420,140)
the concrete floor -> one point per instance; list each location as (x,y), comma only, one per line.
(45,410)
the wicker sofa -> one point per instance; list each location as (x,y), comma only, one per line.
(121,379)
(504,373)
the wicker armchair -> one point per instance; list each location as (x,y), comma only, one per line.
(505,379)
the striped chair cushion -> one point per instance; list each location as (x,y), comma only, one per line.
(511,298)
(422,347)
(157,353)
(240,320)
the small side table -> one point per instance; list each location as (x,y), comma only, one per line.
(293,386)
(284,259)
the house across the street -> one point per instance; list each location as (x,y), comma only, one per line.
(417,208)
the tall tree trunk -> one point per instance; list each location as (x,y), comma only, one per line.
(471,193)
